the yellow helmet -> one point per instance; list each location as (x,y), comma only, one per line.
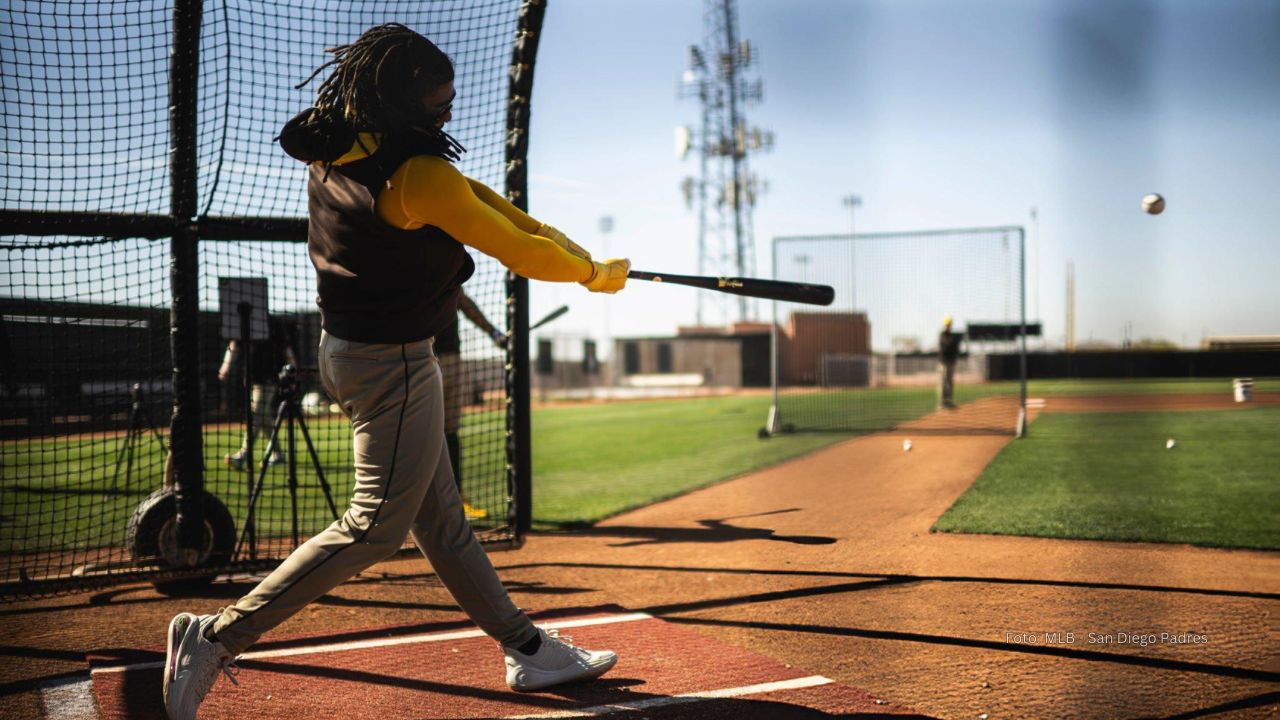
(946,320)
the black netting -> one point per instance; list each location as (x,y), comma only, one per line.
(871,361)
(85,106)
(85,302)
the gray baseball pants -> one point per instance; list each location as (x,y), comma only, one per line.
(403,484)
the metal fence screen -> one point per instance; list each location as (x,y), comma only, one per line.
(873,361)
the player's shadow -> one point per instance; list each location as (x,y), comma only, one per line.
(714,530)
(1244,703)
(615,693)
(618,693)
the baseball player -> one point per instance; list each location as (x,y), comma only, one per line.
(389,215)
(448,349)
(948,352)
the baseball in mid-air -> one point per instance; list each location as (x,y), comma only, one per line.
(1153,204)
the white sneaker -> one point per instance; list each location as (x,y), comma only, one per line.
(556,661)
(191,665)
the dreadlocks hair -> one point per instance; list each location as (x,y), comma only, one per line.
(377,85)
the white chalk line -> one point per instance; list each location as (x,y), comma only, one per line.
(69,699)
(598,710)
(386,642)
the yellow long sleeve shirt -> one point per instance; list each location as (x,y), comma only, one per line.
(427,190)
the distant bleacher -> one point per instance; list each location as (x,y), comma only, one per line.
(1241,342)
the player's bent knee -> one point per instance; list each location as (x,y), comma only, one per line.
(445,536)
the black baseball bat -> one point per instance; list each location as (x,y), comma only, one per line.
(751,287)
(550,316)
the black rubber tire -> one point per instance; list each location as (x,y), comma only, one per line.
(152,539)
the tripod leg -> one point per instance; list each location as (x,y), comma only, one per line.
(273,442)
(293,474)
(255,490)
(155,433)
(126,449)
(315,462)
(134,440)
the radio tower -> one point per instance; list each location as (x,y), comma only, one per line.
(726,190)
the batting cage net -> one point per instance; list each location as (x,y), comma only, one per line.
(152,226)
(881,356)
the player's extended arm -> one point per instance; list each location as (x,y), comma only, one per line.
(472,312)
(490,197)
(430,191)
(518,218)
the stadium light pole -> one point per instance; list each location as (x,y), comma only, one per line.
(1035,264)
(853,202)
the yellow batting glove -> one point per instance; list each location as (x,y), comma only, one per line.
(560,239)
(609,276)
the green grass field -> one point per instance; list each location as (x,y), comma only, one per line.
(1109,476)
(66,493)
(590,461)
(871,409)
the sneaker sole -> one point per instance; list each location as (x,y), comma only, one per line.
(536,680)
(173,646)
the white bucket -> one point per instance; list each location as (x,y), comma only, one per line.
(1242,389)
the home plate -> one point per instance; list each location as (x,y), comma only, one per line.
(454,671)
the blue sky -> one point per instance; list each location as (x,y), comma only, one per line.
(941,114)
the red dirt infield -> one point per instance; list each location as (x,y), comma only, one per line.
(451,670)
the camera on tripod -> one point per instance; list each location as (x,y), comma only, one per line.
(287,380)
(288,417)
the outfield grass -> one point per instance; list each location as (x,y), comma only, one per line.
(872,409)
(66,493)
(590,461)
(1109,476)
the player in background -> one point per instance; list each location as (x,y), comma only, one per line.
(448,348)
(948,353)
(268,357)
(389,216)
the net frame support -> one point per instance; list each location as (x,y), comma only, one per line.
(186,431)
(774,423)
(519,420)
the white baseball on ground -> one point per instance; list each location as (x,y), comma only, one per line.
(1168,444)
(906,446)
